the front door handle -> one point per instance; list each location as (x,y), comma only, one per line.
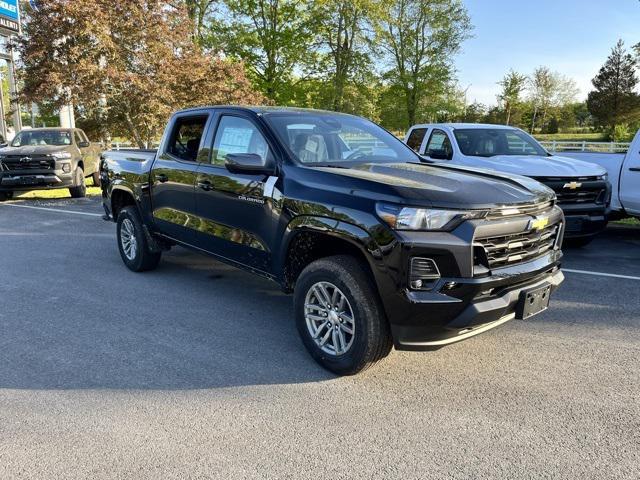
(161,177)
(205,185)
(634,169)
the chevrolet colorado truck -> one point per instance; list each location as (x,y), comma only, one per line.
(583,190)
(378,248)
(48,158)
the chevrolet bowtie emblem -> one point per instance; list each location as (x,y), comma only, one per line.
(572,185)
(538,223)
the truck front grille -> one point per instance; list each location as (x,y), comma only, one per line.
(577,190)
(14,163)
(511,249)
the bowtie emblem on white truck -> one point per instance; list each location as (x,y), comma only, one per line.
(572,185)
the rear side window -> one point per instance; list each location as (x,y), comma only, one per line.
(237,135)
(439,145)
(415,138)
(185,137)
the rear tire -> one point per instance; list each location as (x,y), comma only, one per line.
(95,176)
(345,284)
(132,242)
(80,189)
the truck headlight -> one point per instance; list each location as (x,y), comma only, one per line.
(409,218)
(61,155)
(604,177)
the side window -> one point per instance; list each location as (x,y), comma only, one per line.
(439,146)
(77,137)
(415,138)
(184,140)
(237,135)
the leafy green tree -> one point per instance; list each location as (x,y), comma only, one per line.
(513,85)
(549,90)
(342,26)
(198,11)
(418,38)
(274,38)
(614,99)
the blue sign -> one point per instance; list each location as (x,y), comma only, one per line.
(9,9)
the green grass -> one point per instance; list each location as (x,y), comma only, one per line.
(629,221)
(572,137)
(57,193)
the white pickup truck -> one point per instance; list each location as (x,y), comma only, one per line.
(624,175)
(582,188)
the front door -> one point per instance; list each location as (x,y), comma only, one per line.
(236,210)
(630,180)
(173,178)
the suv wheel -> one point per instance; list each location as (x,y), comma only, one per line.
(80,189)
(339,315)
(95,176)
(132,243)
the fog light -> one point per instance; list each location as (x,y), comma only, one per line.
(423,273)
(66,167)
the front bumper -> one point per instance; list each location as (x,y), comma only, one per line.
(471,306)
(30,180)
(584,220)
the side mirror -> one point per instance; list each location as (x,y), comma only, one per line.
(438,154)
(83,144)
(249,163)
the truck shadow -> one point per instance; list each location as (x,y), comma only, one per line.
(192,324)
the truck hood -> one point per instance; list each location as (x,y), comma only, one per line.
(444,186)
(536,166)
(31,149)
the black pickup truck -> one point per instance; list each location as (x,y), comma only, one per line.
(48,158)
(378,247)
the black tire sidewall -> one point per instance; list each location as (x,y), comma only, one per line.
(366,310)
(137,262)
(80,189)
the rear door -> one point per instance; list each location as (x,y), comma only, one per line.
(173,176)
(235,210)
(630,179)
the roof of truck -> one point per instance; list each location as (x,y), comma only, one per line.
(260,109)
(464,125)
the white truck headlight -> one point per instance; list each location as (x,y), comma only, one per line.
(61,155)
(410,218)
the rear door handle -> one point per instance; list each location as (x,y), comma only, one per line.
(205,185)
(161,177)
(634,169)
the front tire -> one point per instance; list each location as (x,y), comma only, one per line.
(80,189)
(95,176)
(339,315)
(578,242)
(132,242)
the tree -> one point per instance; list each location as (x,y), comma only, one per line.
(419,38)
(197,10)
(513,84)
(273,38)
(614,99)
(120,62)
(341,30)
(549,90)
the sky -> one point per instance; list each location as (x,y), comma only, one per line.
(571,37)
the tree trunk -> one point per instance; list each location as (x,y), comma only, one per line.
(135,135)
(533,119)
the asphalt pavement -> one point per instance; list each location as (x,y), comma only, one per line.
(195,371)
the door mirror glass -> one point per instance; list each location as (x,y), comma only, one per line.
(249,163)
(438,154)
(83,144)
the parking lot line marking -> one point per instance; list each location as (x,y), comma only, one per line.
(601,274)
(51,209)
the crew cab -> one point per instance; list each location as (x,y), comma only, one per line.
(582,189)
(48,158)
(377,247)
(624,175)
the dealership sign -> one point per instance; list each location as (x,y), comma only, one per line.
(9,17)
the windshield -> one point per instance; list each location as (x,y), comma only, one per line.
(320,139)
(41,137)
(488,142)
